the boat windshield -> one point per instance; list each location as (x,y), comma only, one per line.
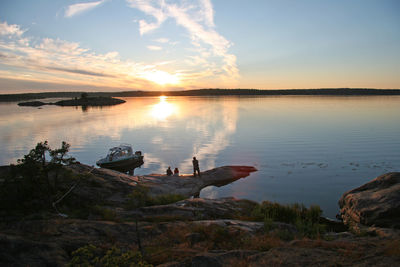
(121,151)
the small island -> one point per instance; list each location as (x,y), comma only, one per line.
(84,101)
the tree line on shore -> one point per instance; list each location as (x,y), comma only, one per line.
(206,92)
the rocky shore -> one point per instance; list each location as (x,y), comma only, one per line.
(107,213)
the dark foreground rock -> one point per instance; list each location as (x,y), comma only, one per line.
(190,232)
(376,203)
(51,242)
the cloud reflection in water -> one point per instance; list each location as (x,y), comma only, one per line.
(169,130)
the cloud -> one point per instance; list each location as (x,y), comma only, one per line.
(153,7)
(60,46)
(147,27)
(198,19)
(208,12)
(162,40)
(154,47)
(84,72)
(12,29)
(58,61)
(80,8)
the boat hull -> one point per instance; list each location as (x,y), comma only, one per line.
(128,164)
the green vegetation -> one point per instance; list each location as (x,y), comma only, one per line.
(91,255)
(178,242)
(140,198)
(34,183)
(105,213)
(306,220)
(286,213)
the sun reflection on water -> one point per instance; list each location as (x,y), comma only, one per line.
(163,109)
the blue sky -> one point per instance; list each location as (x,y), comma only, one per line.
(169,45)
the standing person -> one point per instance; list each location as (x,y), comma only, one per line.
(176,172)
(169,171)
(195,167)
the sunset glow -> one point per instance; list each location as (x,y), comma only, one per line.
(161,77)
(178,45)
(163,109)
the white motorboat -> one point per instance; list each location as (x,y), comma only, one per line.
(121,156)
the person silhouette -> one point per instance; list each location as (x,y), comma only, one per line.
(176,172)
(196,167)
(169,171)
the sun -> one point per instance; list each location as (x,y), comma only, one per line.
(161,77)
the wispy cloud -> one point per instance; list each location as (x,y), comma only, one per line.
(198,19)
(78,71)
(59,61)
(208,12)
(162,40)
(80,8)
(154,47)
(152,7)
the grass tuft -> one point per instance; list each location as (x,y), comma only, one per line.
(306,220)
(140,198)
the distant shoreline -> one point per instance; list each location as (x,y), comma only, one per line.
(208,92)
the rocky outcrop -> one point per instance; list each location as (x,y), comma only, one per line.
(158,184)
(374,203)
(187,185)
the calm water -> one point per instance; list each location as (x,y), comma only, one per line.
(307,149)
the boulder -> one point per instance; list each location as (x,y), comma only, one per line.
(374,203)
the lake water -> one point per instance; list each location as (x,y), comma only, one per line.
(308,149)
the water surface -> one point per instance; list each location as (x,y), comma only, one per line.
(308,149)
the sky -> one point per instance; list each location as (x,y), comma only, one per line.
(121,45)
